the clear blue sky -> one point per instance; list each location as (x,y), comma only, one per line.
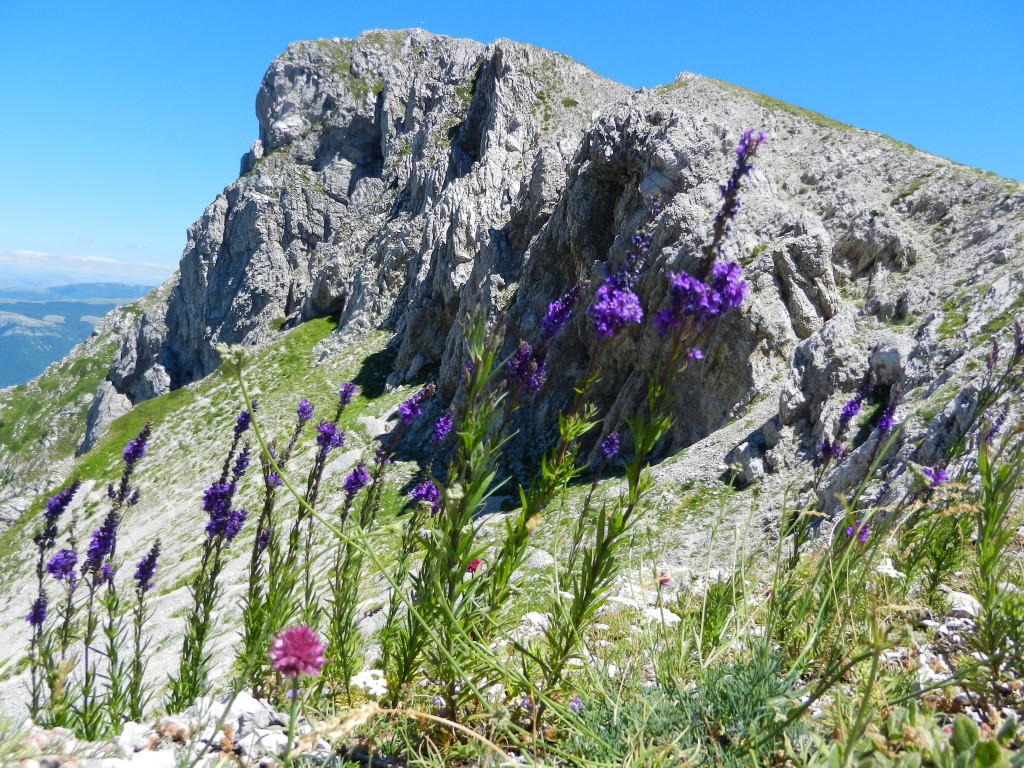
(120,122)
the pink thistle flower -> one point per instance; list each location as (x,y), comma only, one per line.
(297,651)
(474,566)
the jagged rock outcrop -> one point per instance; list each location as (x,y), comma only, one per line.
(404,179)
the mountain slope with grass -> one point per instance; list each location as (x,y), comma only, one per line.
(408,191)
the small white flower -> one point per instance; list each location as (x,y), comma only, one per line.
(371,682)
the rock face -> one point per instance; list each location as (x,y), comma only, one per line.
(404,179)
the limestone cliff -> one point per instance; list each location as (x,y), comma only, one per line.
(403,178)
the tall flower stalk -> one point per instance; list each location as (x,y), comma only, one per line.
(98,571)
(695,302)
(144,572)
(224,523)
(265,604)
(45,540)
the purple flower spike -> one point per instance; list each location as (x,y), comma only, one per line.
(560,313)
(37,614)
(356,481)
(610,446)
(525,370)
(347,392)
(136,448)
(305,411)
(107,573)
(576,705)
(62,565)
(411,409)
(996,427)
(888,419)
(244,419)
(57,504)
(613,309)
(101,544)
(262,541)
(146,568)
(217,498)
(427,493)
(936,476)
(241,462)
(443,427)
(234,524)
(329,436)
(274,480)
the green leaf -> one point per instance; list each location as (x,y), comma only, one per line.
(965,734)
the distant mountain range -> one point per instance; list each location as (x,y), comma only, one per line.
(39,326)
(76,291)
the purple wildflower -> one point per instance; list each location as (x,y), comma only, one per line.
(443,427)
(937,476)
(234,523)
(241,463)
(694,300)
(57,504)
(411,409)
(274,480)
(610,446)
(297,651)
(862,532)
(995,427)
(146,568)
(730,196)
(613,309)
(888,419)
(345,395)
(37,614)
(101,544)
(851,409)
(525,369)
(62,565)
(560,313)
(827,450)
(107,573)
(217,498)
(263,540)
(356,481)
(305,411)
(244,419)
(993,356)
(329,436)
(136,448)
(576,705)
(696,355)
(427,493)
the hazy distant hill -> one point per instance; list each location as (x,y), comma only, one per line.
(40,326)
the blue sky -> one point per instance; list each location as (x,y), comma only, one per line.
(120,122)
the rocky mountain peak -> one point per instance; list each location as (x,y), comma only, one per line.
(403,179)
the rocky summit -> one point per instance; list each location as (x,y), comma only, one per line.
(402,181)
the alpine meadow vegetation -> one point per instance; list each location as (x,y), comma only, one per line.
(828,651)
